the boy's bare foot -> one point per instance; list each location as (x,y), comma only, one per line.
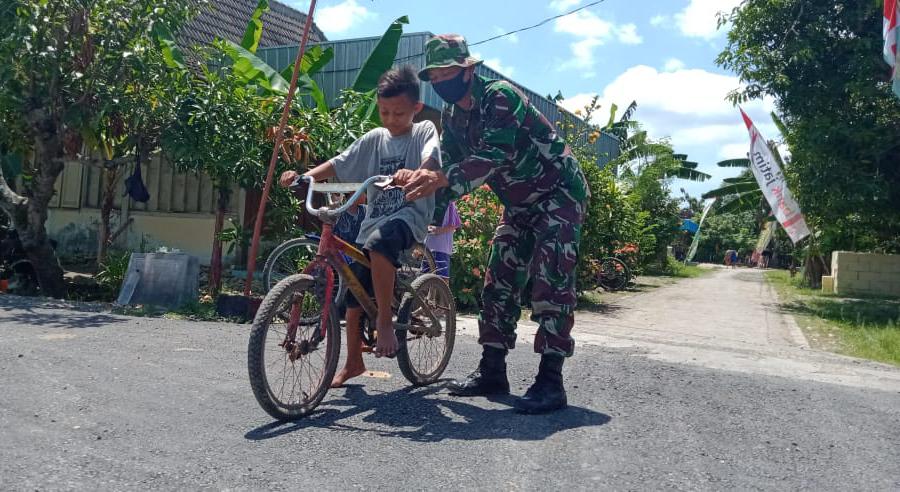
(346,374)
(387,344)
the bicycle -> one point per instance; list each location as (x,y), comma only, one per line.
(613,274)
(293,255)
(297,325)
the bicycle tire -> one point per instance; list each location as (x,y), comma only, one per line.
(415,261)
(614,274)
(270,277)
(287,291)
(406,356)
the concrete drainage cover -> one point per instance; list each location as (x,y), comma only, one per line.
(168,280)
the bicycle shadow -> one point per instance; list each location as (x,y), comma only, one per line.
(414,414)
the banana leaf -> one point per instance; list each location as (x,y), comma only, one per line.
(253,69)
(746,202)
(172,55)
(689,174)
(254,29)
(381,58)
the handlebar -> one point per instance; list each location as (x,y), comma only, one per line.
(322,187)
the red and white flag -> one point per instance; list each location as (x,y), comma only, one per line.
(773,185)
(890,32)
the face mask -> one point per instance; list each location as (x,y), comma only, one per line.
(452,90)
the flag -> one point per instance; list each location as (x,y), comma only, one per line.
(890,33)
(773,185)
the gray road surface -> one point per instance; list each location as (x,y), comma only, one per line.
(92,400)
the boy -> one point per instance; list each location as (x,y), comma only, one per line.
(392,224)
(440,241)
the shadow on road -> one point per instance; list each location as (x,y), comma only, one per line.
(66,319)
(409,413)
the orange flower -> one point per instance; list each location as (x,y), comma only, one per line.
(477,272)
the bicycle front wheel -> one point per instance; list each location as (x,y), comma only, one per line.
(291,357)
(423,353)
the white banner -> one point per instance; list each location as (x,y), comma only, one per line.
(774,187)
(696,242)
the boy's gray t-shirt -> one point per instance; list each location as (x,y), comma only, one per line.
(378,152)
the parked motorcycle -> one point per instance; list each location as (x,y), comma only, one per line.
(17,274)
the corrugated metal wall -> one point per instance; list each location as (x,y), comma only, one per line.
(350,54)
(81,186)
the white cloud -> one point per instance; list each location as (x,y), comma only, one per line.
(699,19)
(496,64)
(658,20)
(339,18)
(563,5)
(627,34)
(511,38)
(688,106)
(673,64)
(592,31)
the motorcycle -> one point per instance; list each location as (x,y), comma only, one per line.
(17,274)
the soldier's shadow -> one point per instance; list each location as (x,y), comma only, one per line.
(430,415)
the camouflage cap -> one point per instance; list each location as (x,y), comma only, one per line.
(446,50)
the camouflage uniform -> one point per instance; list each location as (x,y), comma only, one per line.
(509,145)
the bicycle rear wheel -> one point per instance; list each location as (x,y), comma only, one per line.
(290,258)
(422,356)
(415,261)
(290,359)
(614,274)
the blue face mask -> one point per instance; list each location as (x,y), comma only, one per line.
(452,90)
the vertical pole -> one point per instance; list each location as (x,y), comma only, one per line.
(279,138)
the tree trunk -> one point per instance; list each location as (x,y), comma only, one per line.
(111,177)
(28,215)
(813,271)
(215,263)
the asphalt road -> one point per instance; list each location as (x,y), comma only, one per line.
(92,400)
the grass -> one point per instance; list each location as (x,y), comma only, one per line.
(866,327)
(676,269)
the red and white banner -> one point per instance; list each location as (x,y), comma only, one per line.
(890,33)
(771,181)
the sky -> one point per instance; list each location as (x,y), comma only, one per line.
(660,53)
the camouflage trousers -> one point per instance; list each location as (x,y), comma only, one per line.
(542,244)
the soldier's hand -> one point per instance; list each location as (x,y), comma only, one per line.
(424,182)
(287,178)
(402,177)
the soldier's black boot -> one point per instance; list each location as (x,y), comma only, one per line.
(488,379)
(547,393)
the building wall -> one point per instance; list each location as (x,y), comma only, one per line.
(864,273)
(76,232)
(180,213)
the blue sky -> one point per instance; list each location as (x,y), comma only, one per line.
(660,53)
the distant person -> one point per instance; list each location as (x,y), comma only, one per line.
(765,258)
(440,241)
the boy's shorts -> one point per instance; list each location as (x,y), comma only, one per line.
(391,239)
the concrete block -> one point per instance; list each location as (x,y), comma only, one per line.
(161,279)
(827,283)
(870,276)
(880,288)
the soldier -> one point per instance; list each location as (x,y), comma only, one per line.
(492,134)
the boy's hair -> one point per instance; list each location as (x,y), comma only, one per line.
(397,81)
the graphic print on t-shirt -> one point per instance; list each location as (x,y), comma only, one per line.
(389,201)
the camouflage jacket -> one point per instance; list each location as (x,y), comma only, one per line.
(507,143)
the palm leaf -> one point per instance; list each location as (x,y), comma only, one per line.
(688,173)
(734,163)
(381,58)
(731,189)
